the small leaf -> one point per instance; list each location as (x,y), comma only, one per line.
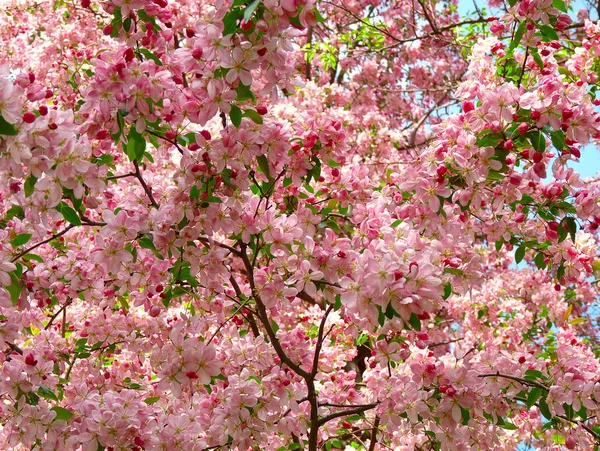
(533,375)
(244,92)
(415,322)
(33,257)
(46,393)
(518,36)
(68,213)
(236,116)
(508,425)
(136,145)
(548,33)
(29,186)
(538,140)
(558,139)
(539,260)
(455,271)
(6,128)
(447,291)
(560,5)
(274,326)
(536,57)
(20,239)
(533,396)
(151,400)
(250,10)
(14,289)
(257,118)
(576,321)
(263,164)
(519,254)
(62,413)
(151,56)
(572,226)
(499,244)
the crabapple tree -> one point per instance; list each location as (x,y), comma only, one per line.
(298,225)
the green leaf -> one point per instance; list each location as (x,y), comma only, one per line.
(572,226)
(136,145)
(533,396)
(447,290)
(533,375)
(558,439)
(142,14)
(466,415)
(263,164)
(518,36)
(558,139)
(33,257)
(539,261)
(455,271)
(151,400)
(14,289)
(499,244)
(519,254)
(62,413)
(68,213)
(538,140)
(244,93)
(46,393)
(29,185)
(6,128)
(508,425)
(415,322)
(536,57)
(230,21)
(236,116)
(274,326)
(548,33)
(20,239)
(151,56)
(257,118)
(147,242)
(250,10)
(560,5)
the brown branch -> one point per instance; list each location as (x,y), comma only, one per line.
(320,339)
(308,298)
(35,246)
(175,143)
(264,318)
(238,292)
(344,413)
(147,189)
(516,379)
(121,176)
(308,67)
(64,306)
(374,434)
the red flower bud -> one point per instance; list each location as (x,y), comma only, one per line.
(30,360)
(468,106)
(29,117)
(197,53)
